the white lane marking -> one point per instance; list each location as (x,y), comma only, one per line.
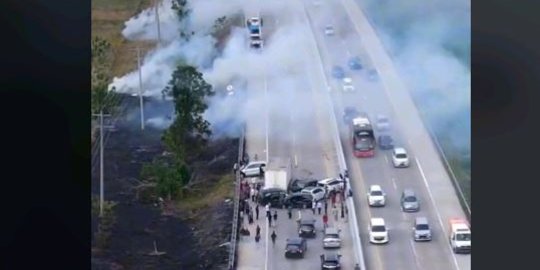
(267,117)
(386,158)
(416,258)
(295,161)
(436,211)
(267,232)
(394,183)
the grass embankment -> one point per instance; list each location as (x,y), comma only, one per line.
(208,195)
(108,17)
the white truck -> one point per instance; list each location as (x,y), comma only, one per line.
(254,25)
(460,236)
(277,173)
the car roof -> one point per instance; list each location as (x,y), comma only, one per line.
(331,230)
(326,180)
(375,187)
(256,162)
(347,79)
(421,220)
(331,257)
(377,221)
(295,240)
(400,150)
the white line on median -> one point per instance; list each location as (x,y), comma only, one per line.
(394,183)
(416,258)
(436,210)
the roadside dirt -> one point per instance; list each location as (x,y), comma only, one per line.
(191,237)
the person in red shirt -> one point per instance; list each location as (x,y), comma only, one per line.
(325,220)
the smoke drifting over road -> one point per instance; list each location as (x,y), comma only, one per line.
(430,43)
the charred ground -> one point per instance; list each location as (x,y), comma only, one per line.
(189,230)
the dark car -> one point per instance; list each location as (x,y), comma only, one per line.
(349,114)
(274,196)
(338,72)
(386,142)
(298,184)
(296,247)
(355,63)
(330,261)
(307,228)
(298,200)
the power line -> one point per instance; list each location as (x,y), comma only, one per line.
(101,164)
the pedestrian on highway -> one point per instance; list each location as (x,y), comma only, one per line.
(289,211)
(252,194)
(275,217)
(325,207)
(269,216)
(325,220)
(257,238)
(299,218)
(258,229)
(267,208)
(261,171)
(273,237)
(335,213)
(333,199)
(313,205)
(257,211)
(319,207)
(250,218)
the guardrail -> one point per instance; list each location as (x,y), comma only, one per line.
(353,222)
(234,233)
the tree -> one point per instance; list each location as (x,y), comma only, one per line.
(190,130)
(169,179)
(102,98)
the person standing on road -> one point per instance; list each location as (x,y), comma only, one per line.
(299,218)
(275,218)
(326,207)
(289,211)
(325,220)
(313,205)
(273,237)
(319,207)
(258,230)
(257,238)
(269,216)
(252,194)
(257,212)
(267,207)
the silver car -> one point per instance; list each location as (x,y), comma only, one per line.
(331,238)
(421,229)
(409,201)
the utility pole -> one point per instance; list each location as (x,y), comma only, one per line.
(140,86)
(157,22)
(101,188)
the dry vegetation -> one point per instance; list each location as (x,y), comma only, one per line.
(108,17)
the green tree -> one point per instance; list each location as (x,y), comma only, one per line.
(169,179)
(189,131)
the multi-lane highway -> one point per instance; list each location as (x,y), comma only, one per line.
(280,129)
(373,97)
(297,129)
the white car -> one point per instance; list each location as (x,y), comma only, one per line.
(329,30)
(382,122)
(253,168)
(347,84)
(332,184)
(317,193)
(400,159)
(378,234)
(376,196)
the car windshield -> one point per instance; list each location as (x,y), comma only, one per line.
(378,228)
(376,193)
(306,227)
(401,155)
(422,227)
(363,145)
(463,237)
(331,236)
(410,199)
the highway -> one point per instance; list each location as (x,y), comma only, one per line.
(298,128)
(280,127)
(402,252)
